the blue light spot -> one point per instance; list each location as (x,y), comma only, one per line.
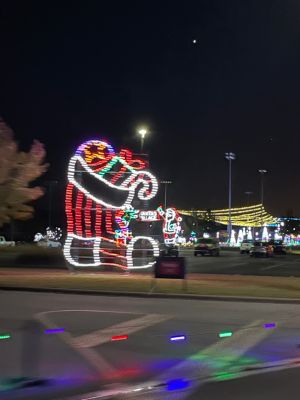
(272,325)
(177,384)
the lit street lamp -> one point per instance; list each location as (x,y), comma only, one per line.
(230,157)
(142,132)
(262,172)
(166,183)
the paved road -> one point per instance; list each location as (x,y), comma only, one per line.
(84,357)
(232,262)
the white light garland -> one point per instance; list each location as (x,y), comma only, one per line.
(139,183)
(130,249)
(96,250)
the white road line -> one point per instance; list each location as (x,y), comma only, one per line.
(104,335)
(273,266)
(93,358)
(236,265)
(96,311)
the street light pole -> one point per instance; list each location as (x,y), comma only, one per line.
(248,194)
(166,183)
(262,172)
(230,157)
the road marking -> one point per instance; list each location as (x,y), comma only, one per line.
(273,266)
(83,344)
(236,265)
(101,336)
(94,359)
(96,311)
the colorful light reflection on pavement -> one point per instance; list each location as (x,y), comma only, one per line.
(147,356)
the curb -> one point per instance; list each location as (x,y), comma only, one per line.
(152,295)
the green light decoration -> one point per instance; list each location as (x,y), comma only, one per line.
(5,336)
(225,334)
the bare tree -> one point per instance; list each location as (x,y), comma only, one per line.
(17,170)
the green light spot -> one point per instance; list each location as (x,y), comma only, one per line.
(225,334)
(5,336)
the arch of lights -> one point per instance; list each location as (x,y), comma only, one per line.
(253,216)
(98,230)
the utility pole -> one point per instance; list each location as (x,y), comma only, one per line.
(230,157)
(166,183)
(262,172)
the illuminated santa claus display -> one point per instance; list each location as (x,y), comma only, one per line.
(102,186)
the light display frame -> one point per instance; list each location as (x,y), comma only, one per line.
(101,228)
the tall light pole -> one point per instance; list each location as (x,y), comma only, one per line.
(248,194)
(142,132)
(230,157)
(262,172)
(166,183)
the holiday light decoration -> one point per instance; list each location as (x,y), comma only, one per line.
(38,237)
(55,330)
(193,237)
(265,234)
(101,188)
(171,226)
(225,334)
(119,337)
(130,249)
(232,241)
(54,234)
(249,234)
(240,236)
(252,216)
(51,234)
(5,336)
(270,325)
(177,338)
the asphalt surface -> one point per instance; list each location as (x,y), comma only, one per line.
(232,262)
(83,358)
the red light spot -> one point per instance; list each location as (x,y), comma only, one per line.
(119,337)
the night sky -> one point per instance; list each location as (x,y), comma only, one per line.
(101,69)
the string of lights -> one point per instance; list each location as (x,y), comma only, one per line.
(97,227)
(253,216)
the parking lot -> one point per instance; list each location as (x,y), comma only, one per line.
(232,262)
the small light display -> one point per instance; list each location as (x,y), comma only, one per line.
(119,337)
(5,336)
(270,325)
(56,330)
(177,338)
(225,334)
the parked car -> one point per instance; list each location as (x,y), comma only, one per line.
(261,249)
(246,246)
(6,243)
(207,246)
(278,247)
